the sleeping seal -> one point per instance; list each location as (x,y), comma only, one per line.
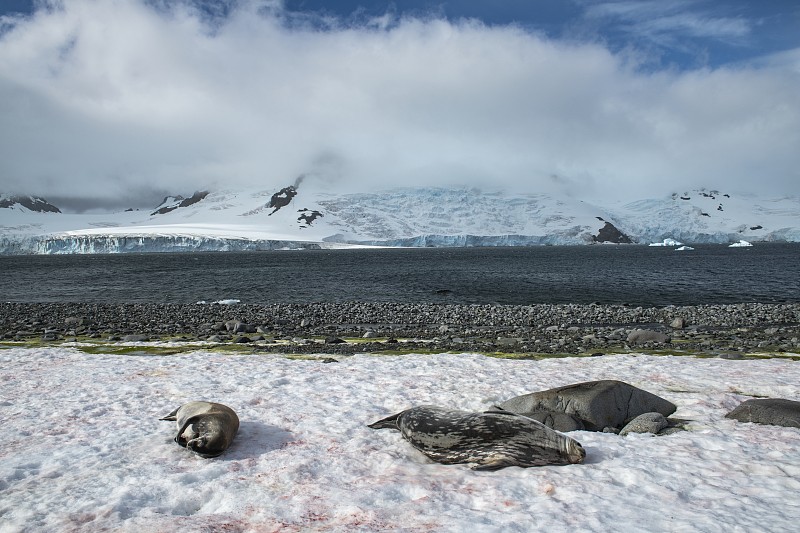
(490,440)
(206,428)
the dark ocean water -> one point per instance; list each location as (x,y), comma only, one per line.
(635,275)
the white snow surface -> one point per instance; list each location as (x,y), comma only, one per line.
(433,216)
(83,449)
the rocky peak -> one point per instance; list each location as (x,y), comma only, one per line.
(171,203)
(31,203)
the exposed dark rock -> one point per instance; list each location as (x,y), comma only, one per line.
(308,216)
(609,233)
(32,203)
(282,198)
(597,404)
(184,202)
(769,411)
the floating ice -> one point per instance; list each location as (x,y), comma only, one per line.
(667,242)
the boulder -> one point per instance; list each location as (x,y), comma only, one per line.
(770,411)
(645,423)
(640,336)
(678,323)
(558,421)
(237,326)
(596,404)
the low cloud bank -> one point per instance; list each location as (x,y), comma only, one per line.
(103,98)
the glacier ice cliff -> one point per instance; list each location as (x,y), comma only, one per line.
(113,244)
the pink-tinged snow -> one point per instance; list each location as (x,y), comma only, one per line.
(83,450)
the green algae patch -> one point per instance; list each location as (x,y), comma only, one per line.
(110,349)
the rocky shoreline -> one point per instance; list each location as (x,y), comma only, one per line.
(730,331)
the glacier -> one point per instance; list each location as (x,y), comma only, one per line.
(400,217)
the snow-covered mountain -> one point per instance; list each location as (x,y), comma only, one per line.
(311,217)
(27,203)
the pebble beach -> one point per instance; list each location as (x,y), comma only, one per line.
(730,331)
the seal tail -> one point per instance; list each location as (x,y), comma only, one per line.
(390,422)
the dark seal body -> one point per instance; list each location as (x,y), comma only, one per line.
(490,440)
(206,428)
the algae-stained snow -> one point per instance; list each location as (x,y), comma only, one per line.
(83,449)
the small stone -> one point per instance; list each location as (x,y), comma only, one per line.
(645,423)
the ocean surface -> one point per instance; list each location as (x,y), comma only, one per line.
(633,275)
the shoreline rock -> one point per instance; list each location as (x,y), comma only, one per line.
(728,331)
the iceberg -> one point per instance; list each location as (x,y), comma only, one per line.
(667,242)
(740,244)
(682,248)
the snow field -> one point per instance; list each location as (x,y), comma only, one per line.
(83,449)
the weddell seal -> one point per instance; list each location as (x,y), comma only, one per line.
(489,440)
(206,428)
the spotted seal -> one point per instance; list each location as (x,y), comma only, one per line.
(206,428)
(490,440)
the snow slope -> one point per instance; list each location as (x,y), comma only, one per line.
(315,217)
(703,216)
(91,455)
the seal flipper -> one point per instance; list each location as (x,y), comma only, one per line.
(494,463)
(390,422)
(172,416)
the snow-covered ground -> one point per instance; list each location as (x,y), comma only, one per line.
(83,450)
(433,216)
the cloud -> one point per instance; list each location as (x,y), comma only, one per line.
(671,20)
(101,98)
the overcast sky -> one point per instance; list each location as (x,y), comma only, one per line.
(124,101)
